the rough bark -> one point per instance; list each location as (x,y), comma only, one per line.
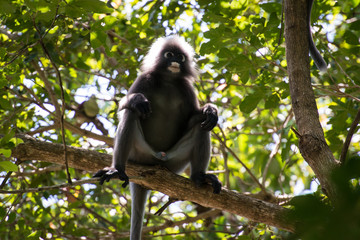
(159,179)
(313,146)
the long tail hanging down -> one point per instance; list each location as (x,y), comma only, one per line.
(316,56)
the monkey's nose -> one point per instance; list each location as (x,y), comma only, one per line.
(174,67)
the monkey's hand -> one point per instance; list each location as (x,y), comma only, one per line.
(138,103)
(109,172)
(202,178)
(210,111)
(143,109)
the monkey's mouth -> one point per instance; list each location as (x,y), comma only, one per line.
(174,67)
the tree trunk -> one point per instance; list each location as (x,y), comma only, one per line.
(313,146)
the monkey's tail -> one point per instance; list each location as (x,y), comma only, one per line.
(316,56)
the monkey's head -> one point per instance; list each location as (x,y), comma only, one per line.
(171,55)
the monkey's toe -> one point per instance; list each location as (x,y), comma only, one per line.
(99,173)
(215,183)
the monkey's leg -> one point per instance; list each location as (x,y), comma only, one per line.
(129,144)
(124,141)
(193,148)
(200,159)
(130,141)
(138,201)
(200,156)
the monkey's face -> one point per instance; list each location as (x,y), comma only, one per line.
(171,56)
(173,61)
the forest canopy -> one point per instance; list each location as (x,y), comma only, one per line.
(65,65)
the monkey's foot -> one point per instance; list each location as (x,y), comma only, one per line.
(161,156)
(109,172)
(201,178)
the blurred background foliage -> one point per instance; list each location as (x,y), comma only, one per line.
(97,46)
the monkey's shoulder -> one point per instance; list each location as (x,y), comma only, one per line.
(150,83)
(142,83)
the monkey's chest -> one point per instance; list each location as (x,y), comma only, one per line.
(168,102)
(167,122)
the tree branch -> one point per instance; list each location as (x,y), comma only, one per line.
(155,177)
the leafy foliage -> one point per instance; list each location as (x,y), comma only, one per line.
(97,47)
(319,220)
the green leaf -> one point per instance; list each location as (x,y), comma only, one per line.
(6,7)
(93,6)
(97,38)
(6,139)
(207,48)
(5,104)
(250,102)
(7,165)
(271,7)
(16,141)
(272,101)
(351,38)
(12,217)
(355,25)
(34,235)
(5,152)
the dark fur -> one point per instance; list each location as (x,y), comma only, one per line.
(161,123)
(316,56)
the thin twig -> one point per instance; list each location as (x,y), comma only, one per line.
(62,116)
(54,187)
(349,137)
(296,132)
(263,189)
(162,209)
(281,25)
(276,148)
(8,174)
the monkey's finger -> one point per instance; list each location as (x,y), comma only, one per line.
(216,187)
(99,173)
(102,179)
(123,177)
(126,182)
(209,124)
(143,108)
(210,121)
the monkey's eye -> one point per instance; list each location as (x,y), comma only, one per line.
(182,58)
(168,54)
